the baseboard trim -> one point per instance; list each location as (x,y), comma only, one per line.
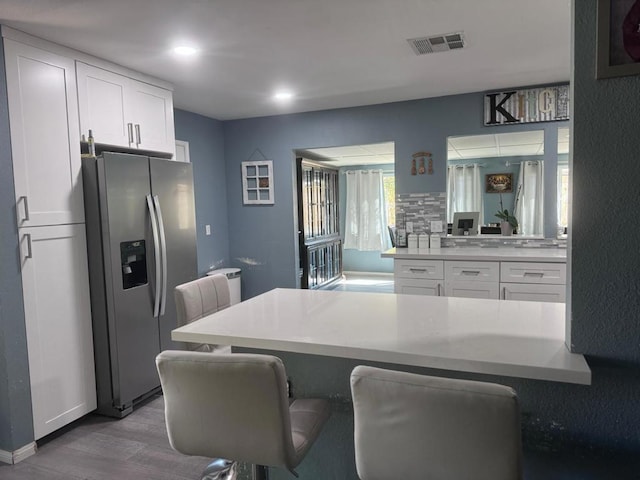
(347,274)
(18,455)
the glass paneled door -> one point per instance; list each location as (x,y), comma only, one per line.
(319,226)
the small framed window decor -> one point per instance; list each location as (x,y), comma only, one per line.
(257,182)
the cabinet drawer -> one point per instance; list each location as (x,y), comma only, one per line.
(472,272)
(418,286)
(431,269)
(533,292)
(530,272)
(471,289)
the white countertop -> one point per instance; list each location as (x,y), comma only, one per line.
(496,254)
(519,339)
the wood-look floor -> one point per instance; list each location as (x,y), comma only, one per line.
(101,448)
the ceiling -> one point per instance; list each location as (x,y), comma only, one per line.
(329,53)
(353,155)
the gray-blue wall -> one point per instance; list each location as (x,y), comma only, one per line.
(264,237)
(354,260)
(206,150)
(16,426)
(603,239)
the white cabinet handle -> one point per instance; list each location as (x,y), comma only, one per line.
(25,201)
(130,131)
(471,272)
(138,138)
(534,274)
(417,270)
(29,254)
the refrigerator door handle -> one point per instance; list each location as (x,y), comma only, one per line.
(163,245)
(156,247)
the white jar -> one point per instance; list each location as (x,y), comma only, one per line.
(423,241)
(435,240)
(412,240)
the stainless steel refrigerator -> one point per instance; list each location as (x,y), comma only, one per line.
(141,241)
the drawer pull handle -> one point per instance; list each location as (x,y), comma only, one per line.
(439,291)
(471,272)
(504,293)
(421,270)
(534,274)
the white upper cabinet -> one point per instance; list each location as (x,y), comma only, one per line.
(152,114)
(123,111)
(101,101)
(43,114)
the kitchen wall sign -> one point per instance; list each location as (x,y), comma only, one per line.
(618,38)
(546,104)
(257,182)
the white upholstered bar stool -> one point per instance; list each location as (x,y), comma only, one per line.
(415,427)
(199,298)
(235,406)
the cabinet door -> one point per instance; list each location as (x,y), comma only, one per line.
(58,322)
(471,289)
(102,101)
(534,292)
(409,286)
(45,144)
(152,116)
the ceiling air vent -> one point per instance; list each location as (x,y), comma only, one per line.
(437,43)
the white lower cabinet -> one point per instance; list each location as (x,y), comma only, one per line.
(471,289)
(419,277)
(533,281)
(58,323)
(471,279)
(540,282)
(533,292)
(414,286)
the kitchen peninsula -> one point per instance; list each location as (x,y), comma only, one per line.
(506,273)
(322,335)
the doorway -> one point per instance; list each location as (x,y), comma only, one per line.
(322,174)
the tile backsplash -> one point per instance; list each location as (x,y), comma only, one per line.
(422,208)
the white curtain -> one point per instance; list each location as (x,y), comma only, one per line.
(464,191)
(365,219)
(529,202)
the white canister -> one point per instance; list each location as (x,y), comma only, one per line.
(423,240)
(412,240)
(435,240)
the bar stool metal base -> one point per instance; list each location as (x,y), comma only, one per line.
(220,469)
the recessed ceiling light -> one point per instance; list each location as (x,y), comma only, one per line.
(283,96)
(185,51)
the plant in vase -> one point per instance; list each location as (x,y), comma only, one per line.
(508,220)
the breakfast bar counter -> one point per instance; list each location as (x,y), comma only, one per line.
(504,338)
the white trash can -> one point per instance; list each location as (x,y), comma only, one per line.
(233,275)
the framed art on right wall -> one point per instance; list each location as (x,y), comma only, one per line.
(618,38)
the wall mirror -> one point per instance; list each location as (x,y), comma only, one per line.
(488,173)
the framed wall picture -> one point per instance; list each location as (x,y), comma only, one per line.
(618,38)
(257,182)
(499,183)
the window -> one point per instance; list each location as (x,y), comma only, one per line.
(389,185)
